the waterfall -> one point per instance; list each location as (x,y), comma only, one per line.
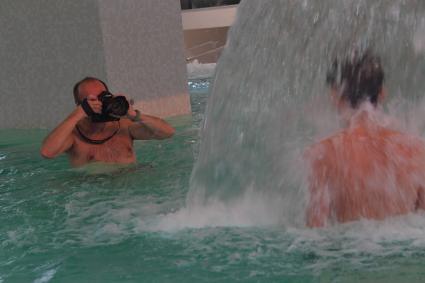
(269,100)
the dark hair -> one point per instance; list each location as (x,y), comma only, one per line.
(86,79)
(360,78)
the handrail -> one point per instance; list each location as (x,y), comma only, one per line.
(205,53)
(214,43)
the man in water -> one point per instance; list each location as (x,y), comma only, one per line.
(88,135)
(367,170)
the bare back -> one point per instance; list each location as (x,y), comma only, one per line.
(365,172)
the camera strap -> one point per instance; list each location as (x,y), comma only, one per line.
(102,141)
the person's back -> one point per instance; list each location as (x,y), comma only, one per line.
(365,171)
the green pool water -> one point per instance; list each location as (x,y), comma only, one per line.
(100,224)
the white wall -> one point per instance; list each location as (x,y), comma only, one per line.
(46,46)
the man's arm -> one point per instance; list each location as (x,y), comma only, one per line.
(150,127)
(60,139)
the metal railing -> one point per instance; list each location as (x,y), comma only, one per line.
(203,49)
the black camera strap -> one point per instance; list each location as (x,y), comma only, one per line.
(102,141)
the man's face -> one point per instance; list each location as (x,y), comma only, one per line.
(90,88)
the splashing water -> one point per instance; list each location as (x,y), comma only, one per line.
(269,101)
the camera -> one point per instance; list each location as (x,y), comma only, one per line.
(113,108)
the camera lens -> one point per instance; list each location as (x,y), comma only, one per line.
(118,106)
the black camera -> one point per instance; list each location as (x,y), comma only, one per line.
(113,108)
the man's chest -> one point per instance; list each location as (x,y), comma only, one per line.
(118,149)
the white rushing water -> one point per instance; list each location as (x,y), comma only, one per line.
(196,70)
(269,100)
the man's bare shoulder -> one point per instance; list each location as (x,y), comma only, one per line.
(125,124)
(323,147)
(408,145)
(124,132)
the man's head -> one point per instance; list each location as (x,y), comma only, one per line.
(360,78)
(86,87)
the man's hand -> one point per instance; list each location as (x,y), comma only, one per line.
(130,112)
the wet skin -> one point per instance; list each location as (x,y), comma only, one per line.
(118,149)
(365,171)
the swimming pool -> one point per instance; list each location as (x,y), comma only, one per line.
(101,225)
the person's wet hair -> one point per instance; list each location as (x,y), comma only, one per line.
(86,79)
(357,79)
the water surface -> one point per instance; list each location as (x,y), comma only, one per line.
(130,225)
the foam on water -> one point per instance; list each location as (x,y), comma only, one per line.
(252,209)
(46,276)
(196,70)
(358,245)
